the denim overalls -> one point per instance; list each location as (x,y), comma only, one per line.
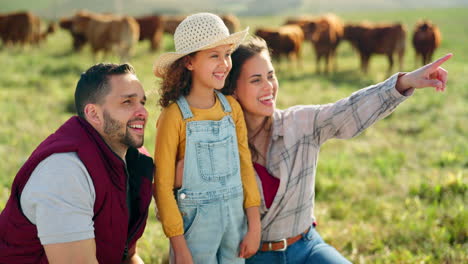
(211,197)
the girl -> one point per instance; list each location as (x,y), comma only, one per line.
(203,212)
(285,146)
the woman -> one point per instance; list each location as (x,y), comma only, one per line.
(285,146)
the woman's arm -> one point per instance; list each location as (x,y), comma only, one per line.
(430,75)
(350,116)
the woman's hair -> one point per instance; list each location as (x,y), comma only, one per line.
(176,82)
(244,52)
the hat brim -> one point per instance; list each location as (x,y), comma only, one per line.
(162,63)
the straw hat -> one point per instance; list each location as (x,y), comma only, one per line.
(197,32)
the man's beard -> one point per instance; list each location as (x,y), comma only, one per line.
(112,128)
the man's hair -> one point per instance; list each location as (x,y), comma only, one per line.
(93,85)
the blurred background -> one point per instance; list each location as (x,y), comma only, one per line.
(395,194)
(57,8)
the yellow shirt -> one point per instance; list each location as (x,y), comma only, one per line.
(170,147)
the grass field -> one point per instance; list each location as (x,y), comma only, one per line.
(395,194)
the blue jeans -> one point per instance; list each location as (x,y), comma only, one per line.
(309,249)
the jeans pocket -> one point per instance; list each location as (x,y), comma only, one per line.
(313,238)
(190,216)
(311,235)
(216,160)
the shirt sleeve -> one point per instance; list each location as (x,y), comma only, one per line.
(249,182)
(167,142)
(347,117)
(59,199)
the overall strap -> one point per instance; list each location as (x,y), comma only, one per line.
(184,107)
(224,102)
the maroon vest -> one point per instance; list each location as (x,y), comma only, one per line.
(114,233)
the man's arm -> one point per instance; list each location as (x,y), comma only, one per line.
(82,252)
(133,257)
(59,198)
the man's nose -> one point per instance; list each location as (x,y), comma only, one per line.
(142,112)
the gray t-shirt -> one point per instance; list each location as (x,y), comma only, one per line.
(59,199)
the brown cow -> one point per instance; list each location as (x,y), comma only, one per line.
(231,22)
(19,28)
(301,22)
(368,39)
(171,23)
(43,35)
(426,39)
(79,40)
(325,33)
(151,28)
(285,40)
(107,32)
(23,28)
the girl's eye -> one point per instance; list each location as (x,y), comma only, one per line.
(143,102)
(126,101)
(255,81)
(214,56)
(228,54)
(271,77)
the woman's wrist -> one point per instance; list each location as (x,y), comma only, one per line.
(402,83)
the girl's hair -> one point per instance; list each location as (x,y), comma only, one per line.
(244,52)
(176,82)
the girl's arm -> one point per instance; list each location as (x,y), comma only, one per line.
(181,251)
(249,183)
(167,142)
(251,241)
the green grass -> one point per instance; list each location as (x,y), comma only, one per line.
(395,194)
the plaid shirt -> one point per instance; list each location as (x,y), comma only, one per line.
(298,132)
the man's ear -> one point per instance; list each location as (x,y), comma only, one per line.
(91,112)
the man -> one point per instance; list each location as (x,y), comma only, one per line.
(83,195)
